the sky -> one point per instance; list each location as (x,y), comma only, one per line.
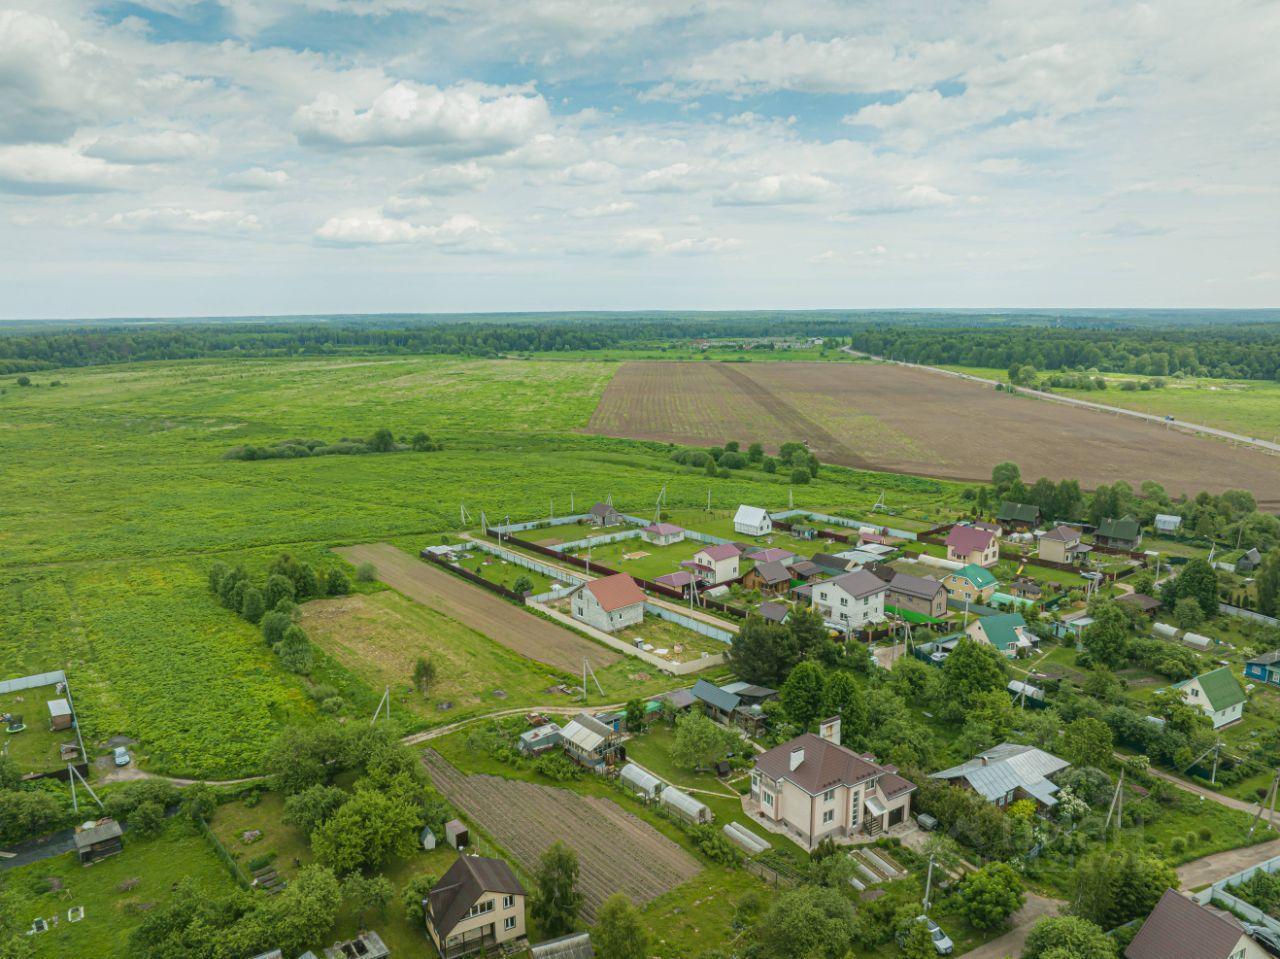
(225,157)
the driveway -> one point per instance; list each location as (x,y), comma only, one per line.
(1010,944)
(1202,872)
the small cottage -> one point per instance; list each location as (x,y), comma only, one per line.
(1123,533)
(1018,516)
(752,521)
(98,839)
(662,534)
(1216,693)
(715,564)
(603,515)
(1007,632)
(476,907)
(771,579)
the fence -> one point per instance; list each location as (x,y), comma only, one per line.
(527,562)
(1218,892)
(32,682)
(538,523)
(841,521)
(768,874)
(602,539)
(475,578)
(233,867)
(688,622)
(1248,614)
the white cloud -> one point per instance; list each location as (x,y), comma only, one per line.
(451,178)
(461,120)
(613,208)
(589,171)
(176,220)
(778,188)
(652,242)
(255,179)
(918,196)
(54,170)
(460,233)
(676,178)
(161,147)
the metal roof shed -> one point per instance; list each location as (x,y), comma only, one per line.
(641,780)
(576,945)
(684,805)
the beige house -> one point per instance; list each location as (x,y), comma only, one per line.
(1062,545)
(969,544)
(812,788)
(972,584)
(477,905)
(609,604)
(715,564)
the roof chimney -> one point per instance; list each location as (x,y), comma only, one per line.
(829,729)
(797,757)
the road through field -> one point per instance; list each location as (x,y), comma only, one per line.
(519,631)
(906,419)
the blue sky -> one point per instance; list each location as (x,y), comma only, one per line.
(180,157)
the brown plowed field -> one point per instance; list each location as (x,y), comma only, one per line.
(617,852)
(484,612)
(902,420)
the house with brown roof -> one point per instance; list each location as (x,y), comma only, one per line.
(850,600)
(609,604)
(772,579)
(970,545)
(1180,928)
(477,905)
(812,788)
(918,594)
(1062,545)
(715,564)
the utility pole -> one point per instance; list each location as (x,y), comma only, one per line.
(72,775)
(1268,801)
(928,886)
(1117,805)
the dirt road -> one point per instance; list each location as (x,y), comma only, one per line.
(1010,944)
(484,612)
(1202,872)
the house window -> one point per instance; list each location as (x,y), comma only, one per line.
(844,601)
(828,816)
(823,595)
(766,799)
(509,923)
(481,908)
(829,796)
(508,902)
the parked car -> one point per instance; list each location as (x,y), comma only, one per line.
(122,756)
(942,943)
(1264,937)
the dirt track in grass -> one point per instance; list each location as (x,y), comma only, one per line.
(484,612)
(894,418)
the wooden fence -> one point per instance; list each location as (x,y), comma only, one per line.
(476,578)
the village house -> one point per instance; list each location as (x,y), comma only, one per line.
(589,742)
(681,579)
(1123,533)
(851,600)
(971,584)
(1006,773)
(603,514)
(662,534)
(1147,605)
(812,788)
(1264,668)
(1020,517)
(916,594)
(1180,928)
(774,612)
(1249,561)
(968,544)
(806,569)
(770,554)
(1167,523)
(608,604)
(1062,545)
(752,521)
(771,579)
(717,703)
(477,905)
(831,563)
(716,564)
(1217,693)
(1007,632)
(1026,588)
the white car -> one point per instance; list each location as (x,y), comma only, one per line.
(122,756)
(942,943)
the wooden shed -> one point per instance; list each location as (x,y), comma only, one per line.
(60,714)
(97,840)
(456,835)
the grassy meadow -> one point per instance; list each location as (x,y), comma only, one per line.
(119,499)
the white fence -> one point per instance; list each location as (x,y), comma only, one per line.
(31,682)
(842,521)
(551,595)
(528,562)
(602,539)
(1220,893)
(537,523)
(689,623)
(1248,614)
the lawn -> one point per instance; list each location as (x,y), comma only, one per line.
(497,570)
(115,892)
(656,560)
(681,645)
(35,749)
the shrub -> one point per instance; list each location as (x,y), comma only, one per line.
(252,605)
(799,476)
(274,625)
(147,818)
(336,583)
(366,573)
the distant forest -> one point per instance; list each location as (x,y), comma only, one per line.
(1241,344)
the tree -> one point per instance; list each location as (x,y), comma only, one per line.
(413,895)
(199,802)
(763,652)
(803,694)
(915,941)
(368,894)
(217,573)
(1087,742)
(991,895)
(619,933)
(1004,476)
(971,669)
(807,922)
(273,625)
(1067,937)
(308,583)
(843,697)
(556,899)
(421,443)
(808,633)
(252,605)
(424,674)
(1187,613)
(755,453)
(311,807)
(1267,583)
(295,651)
(381,441)
(1106,639)
(147,818)
(800,476)
(365,831)
(522,585)
(277,588)
(1110,888)
(336,583)
(769,465)
(366,573)
(1199,580)
(698,742)
(635,715)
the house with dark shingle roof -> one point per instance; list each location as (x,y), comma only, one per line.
(775,612)
(1217,693)
(1123,533)
(850,600)
(919,594)
(1062,545)
(968,544)
(812,788)
(603,514)
(831,563)
(477,904)
(1018,516)
(772,579)
(1180,928)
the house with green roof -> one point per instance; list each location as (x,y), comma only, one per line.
(1018,516)
(1217,693)
(1007,632)
(970,584)
(1123,533)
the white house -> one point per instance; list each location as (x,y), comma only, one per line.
(752,521)
(662,534)
(851,600)
(609,604)
(715,564)
(1216,693)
